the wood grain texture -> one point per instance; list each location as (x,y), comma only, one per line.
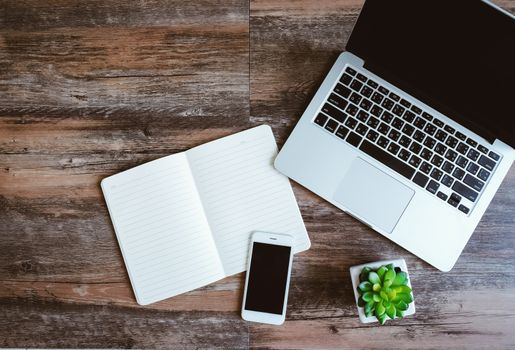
(88,89)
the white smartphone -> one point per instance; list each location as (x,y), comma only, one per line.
(268,278)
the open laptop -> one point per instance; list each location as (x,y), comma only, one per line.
(412,131)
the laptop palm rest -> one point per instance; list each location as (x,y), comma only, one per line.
(373,195)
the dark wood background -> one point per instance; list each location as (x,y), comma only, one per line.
(90,88)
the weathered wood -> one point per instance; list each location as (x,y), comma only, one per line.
(88,89)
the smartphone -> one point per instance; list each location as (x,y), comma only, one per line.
(268,278)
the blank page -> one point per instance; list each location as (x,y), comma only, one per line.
(161,228)
(242,192)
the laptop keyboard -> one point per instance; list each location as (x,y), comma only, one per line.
(448,164)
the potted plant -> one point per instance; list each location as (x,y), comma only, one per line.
(382,290)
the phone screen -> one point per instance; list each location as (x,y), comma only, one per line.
(268,276)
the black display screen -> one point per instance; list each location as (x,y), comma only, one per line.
(456,56)
(268,276)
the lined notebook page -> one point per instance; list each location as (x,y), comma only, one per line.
(162,230)
(242,192)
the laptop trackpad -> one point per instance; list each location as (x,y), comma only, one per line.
(373,195)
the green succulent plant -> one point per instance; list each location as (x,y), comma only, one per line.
(384,292)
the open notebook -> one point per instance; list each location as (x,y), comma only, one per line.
(184,221)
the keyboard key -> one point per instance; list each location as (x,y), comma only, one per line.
(404,154)
(394,97)
(436,174)
(331,125)
(447,180)
(387,117)
(356,85)
(351,123)
(354,139)
(462,148)
(419,123)
(355,98)
(451,155)
(366,91)
(382,142)
(384,90)
(429,142)
(387,159)
(408,129)
(472,168)
(415,147)
(383,128)
(426,154)
(437,160)
(473,154)
(462,161)
(394,134)
(397,123)
(442,196)
(393,148)
(334,112)
(486,163)
(427,116)
(377,97)
(473,182)
(483,174)
(451,141)
(409,116)
(352,109)
(433,186)
(419,135)
(362,116)
(350,71)
(438,123)
(372,83)
(342,90)
(494,155)
(362,129)
(420,179)
(441,135)
(376,110)
(405,141)
(415,161)
(460,136)
(430,129)
(321,119)
(373,122)
(482,149)
(372,135)
(346,79)
(337,101)
(463,209)
(398,110)
(471,142)
(454,200)
(426,167)
(465,191)
(458,173)
(416,109)
(448,167)
(361,77)
(387,104)
(342,132)
(449,129)
(405,103)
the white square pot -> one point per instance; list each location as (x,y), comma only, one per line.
(354,274)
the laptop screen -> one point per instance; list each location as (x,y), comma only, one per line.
(456,56)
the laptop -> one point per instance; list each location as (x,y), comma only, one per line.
(412,131)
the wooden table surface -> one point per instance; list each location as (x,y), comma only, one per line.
(90,88)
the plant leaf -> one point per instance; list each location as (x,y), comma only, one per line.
(373,277)
(376,297)
(367,296)
(399,313)
(389,275)
(380,309)
(391,294)
(376,287)
(382,318)
(402,289)
(407,298)
(383,295)
(363,276)
(401,305)
(391,311)
(387,283)
(400,279)
(365,286)
(369,305)
(390,267)
(381,271)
